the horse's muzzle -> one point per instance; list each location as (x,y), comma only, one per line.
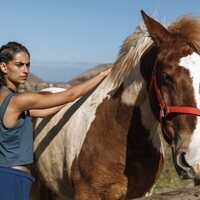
(184,170)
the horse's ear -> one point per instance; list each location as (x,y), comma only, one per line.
(158,33)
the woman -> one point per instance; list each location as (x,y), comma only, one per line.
(16,110)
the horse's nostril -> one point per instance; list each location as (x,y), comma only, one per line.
(181,161)
(184,170)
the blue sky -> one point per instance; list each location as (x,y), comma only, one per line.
(72,31)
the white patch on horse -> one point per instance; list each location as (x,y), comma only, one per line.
(53,89)
(148,120)
(192,63)
(132,86)
(135,93)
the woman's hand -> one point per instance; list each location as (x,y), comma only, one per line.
(105,72)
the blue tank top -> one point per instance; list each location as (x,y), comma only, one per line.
(16,143)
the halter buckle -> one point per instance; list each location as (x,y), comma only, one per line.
(164,111)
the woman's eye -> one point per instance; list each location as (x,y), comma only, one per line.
(23,64)
(19,64)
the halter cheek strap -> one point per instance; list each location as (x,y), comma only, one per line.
(165,109)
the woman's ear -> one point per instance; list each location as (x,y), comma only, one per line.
(3,67)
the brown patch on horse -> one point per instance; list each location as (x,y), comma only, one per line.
(122,162)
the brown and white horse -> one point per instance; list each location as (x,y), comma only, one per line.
(106,145)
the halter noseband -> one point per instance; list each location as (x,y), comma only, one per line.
(165,109)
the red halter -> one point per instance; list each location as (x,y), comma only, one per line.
(165,109)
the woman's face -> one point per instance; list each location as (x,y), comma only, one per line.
(17,69)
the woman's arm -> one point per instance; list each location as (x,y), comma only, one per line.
(45,112)
(29,101)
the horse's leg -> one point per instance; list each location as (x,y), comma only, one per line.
(83,191)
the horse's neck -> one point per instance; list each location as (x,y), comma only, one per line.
(135,94)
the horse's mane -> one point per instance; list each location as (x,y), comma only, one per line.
(189,27)
(137,43)
(130,53)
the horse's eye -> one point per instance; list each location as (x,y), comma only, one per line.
(167,79)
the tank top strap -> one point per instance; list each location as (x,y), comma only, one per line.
(5,104)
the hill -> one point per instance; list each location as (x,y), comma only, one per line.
(35,83)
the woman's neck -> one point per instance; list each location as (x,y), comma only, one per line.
(11,87)
(14,90)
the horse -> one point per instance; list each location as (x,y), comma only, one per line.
(107,144)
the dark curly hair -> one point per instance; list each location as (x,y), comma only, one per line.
(7,53)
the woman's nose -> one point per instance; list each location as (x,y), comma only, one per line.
(25,69)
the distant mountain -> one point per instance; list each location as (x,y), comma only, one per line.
(89,73)
(34,78)
(51,71)
(34,83)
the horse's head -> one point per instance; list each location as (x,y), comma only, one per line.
(174,89)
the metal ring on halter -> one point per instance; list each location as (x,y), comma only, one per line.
(164,111)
